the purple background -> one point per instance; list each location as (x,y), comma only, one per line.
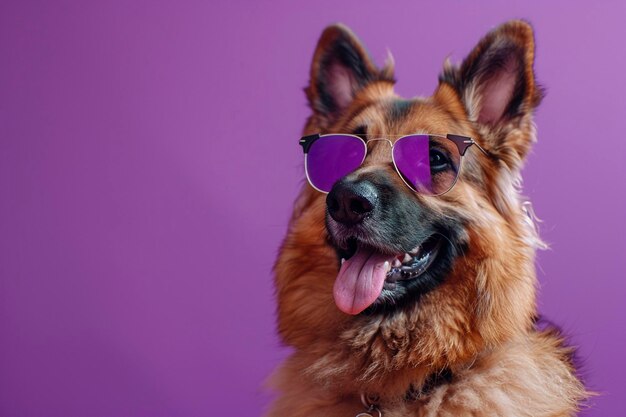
(149,159)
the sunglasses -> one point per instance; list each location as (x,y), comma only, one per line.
(428,164)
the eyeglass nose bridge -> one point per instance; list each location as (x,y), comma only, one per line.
(380,140)
(389,142)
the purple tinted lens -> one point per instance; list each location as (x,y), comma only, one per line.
(331,158)
(429,164)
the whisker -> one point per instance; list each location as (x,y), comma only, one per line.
(455,246)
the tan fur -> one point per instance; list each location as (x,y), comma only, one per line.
(478,323)
(525,377)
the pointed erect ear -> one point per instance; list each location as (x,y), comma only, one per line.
(497,86)
(341,67)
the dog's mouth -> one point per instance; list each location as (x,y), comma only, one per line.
(368,272)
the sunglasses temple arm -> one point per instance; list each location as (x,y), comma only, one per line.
(481,148)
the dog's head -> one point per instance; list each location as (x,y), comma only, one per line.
(454,270)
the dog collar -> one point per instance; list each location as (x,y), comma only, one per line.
(371,402)
(371,406)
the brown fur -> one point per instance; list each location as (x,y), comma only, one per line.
(478,323)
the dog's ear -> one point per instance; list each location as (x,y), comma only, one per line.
(341,67)
(496,84)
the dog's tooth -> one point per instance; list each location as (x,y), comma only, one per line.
(397,263)
(407,258)
(415,250)
(387,266)
(342,261)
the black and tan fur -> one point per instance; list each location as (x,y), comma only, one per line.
(468,346)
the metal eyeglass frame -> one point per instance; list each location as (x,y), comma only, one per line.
(462,143)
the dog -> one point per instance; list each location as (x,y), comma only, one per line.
(406,282)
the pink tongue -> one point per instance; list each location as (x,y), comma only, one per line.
(360,280)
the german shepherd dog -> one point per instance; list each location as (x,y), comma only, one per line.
(405,284)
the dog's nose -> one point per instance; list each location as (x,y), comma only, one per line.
(350,202)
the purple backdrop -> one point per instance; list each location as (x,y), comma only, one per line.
(149,158)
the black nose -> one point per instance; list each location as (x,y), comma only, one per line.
(350,202)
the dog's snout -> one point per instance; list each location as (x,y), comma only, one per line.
(350,202)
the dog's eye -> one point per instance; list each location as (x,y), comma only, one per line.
(438,161)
